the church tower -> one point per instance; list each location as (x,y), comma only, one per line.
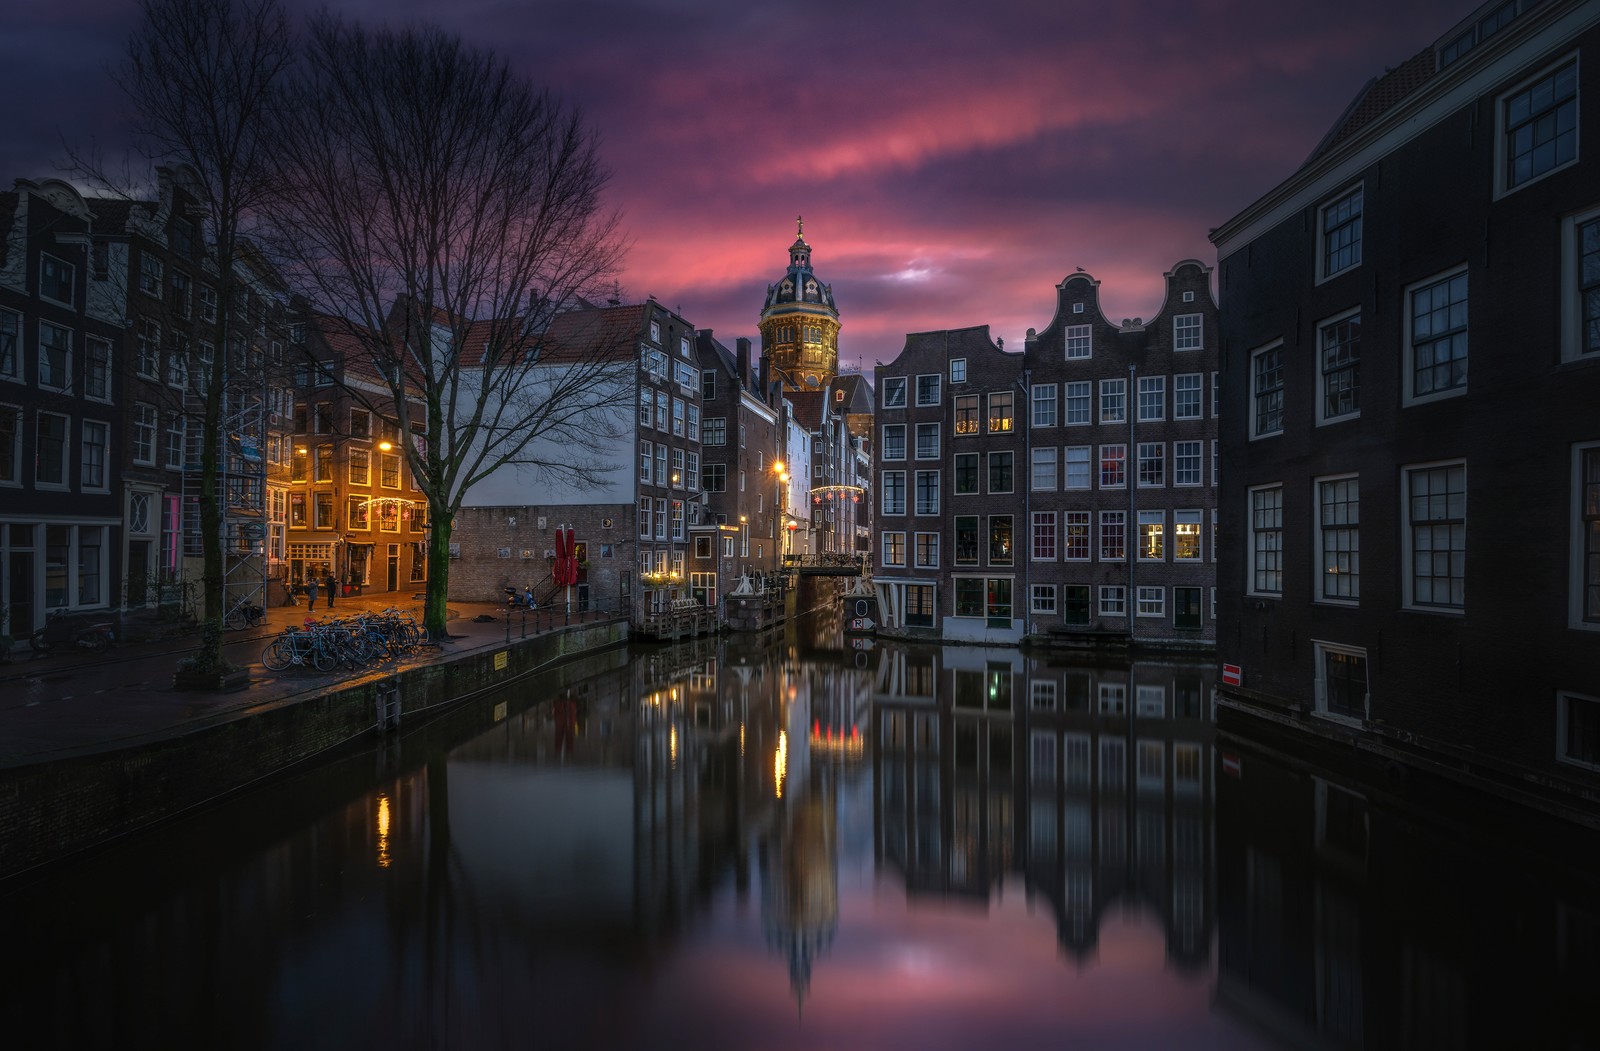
(799,324)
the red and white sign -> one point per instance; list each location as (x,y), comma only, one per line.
(1231,674)
(1232,767)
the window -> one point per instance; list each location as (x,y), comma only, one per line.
(1586,536)
(1186,464)
(1266,371)
(969,597)
(1044,470)
(677,469)
(647,453)
(10,445)
(1152,398)
(1339,539)
(10,355)
(998,603)
(1152,546)
(96,435)
(928,390)
(894,392)
(927,441)
(966,414)
(388,470)
(966,540)
(50,450)
(927,550)
(1340,233)
(1075,536)
(716,430)
(148,350)
(927,492)
(1113,466)
(966,474)
(297,464)
(144,433)
(646,406)
(1044,404)
(677,417)
(1186,526)
(1113,401)
(55,356)
(1187,331)
(1435,515)
(1042,599)
(1000,550)
(1079,342)
(894,492)
(208,303)
(1578,730)
(1044,536)
(1186,392)
(1539,127)
(1580,286)
(323,468)
(178,361)
(173,451)
(1113,601)
(1266,540)
(1436,338)
(1076,409)
(958,370)
(1000,480)
(1339,377)
(1001,412)
(1152,465)
(894,441)
(645,504)
(919,606)
(1076,469)
(694,422)
(56,279)
(894,549)
(708,385)
(182,294)
(1186,608)
(1341,681)
(662,415)
(1152,601)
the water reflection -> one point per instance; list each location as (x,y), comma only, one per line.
(802,842)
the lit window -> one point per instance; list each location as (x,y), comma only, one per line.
(1113,466)
(1152,546)
(966,414)
(1186,535)
(1001,412)
(1075,536)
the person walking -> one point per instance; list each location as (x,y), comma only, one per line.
(333,589)
(311,594)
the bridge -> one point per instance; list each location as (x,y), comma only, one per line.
(827,564)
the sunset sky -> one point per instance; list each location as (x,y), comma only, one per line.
(953,161)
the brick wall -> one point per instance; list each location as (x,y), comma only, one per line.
(505,547)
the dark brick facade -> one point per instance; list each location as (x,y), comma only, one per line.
(1421,591)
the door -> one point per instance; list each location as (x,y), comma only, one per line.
(138,575)
(1186,607)
(394,566)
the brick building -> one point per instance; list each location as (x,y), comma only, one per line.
(742,444)
(1013,488)
(1413,561)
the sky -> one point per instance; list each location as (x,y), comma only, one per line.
(954,161)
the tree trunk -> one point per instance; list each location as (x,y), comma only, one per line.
(433,610)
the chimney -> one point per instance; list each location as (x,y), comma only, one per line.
(743,344)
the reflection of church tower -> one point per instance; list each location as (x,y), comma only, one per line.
(802,892)
(799,324)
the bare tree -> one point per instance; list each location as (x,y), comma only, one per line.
(204,79)
(441,211)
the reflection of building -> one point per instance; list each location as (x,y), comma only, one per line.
(1414,572)
(1093,782)
(801,896)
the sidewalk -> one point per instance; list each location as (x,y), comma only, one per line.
(75,703)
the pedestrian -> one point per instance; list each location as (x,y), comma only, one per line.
(311,594)
(333,589)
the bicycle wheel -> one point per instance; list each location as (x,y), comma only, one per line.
(96,641)
(278,655)
(323,657)
(235,620)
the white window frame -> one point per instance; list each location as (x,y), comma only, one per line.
(1255,394)
(71,267)
(887,507)
(1576,574)
(1502,174)
(1319,543)
(1407,539)
(1156,516)
(1199,463)
(1078,341)
(1042,600)
(1113,600)
(1043,523)
(1067,522)
(1355,190)
(1077,454)
(1044,405)
(1152,399)
(1086,398)
(935,383)
(1044,459)
(104,485)
(1563,699)
(894,392)
(65,463)
(927,428)
(1573,332)
(1319,648)
(1180,385)
(1189,516)
(1150,601)
(1117,388)
(1409,395)
(899,431)
(894,540)
(106,378)
(958,370)
(66,358)
(1251,547)
(1322,378)
(1188,332)
(917,548)
(11,327)
(921,506)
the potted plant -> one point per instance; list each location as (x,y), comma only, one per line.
(194,672)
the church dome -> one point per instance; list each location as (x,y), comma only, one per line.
(799,322)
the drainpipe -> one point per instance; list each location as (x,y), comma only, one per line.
(1130,532)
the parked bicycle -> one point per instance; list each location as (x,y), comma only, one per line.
(354,642)
(244,615)
(64,630)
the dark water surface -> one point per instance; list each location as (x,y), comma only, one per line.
(803,845)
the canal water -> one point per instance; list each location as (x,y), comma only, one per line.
(812,842)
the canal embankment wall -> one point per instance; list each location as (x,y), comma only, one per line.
(55,809)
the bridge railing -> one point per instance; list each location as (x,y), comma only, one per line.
(835,561)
